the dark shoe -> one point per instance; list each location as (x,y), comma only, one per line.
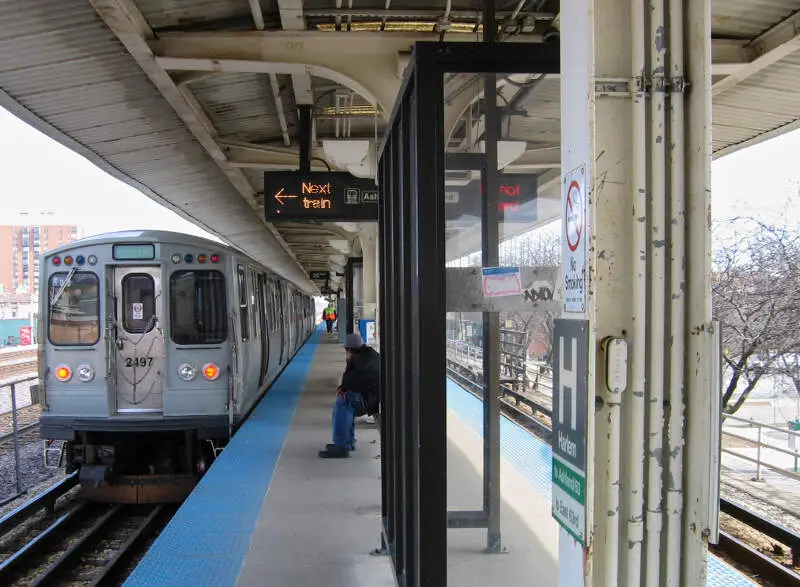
(333,451)
(350,448)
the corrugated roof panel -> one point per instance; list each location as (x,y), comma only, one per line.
(757,120)
(136,113)
(96,96)
(763,103)
(125,145)
(76,74)
(240,105)
(747,19)
(65,54)
(42,17)
(160,14)
(190,149)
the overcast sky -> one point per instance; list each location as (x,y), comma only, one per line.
(39,175)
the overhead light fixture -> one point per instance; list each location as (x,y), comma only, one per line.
(408,26)
(366,168)
(361,110)
(345,152)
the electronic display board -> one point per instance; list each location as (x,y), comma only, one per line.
(319,195)
(516,200)
(133,252)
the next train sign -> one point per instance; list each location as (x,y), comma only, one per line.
(319,195)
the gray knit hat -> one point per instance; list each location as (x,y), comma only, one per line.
(353,341)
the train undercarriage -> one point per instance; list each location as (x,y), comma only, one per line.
(139,467)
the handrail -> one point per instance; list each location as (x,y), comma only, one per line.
(759,444)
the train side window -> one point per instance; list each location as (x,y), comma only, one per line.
(198,307)
(244,313)
(274,306)
(255,317)
(138,303)
(73,317)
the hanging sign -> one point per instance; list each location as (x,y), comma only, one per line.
(573,250)
(315,195)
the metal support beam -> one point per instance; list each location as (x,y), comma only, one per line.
(304,114)
(778,42)
(292,19)
(490,233)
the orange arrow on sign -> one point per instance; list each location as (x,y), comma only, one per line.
(280,198)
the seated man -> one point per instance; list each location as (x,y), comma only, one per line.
(357,395)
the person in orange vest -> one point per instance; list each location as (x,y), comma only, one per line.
(329,315)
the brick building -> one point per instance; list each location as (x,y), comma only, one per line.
(20,250)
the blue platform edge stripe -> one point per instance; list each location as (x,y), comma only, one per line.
(207,540)
(533,459)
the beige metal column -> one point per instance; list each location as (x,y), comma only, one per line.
(636,118)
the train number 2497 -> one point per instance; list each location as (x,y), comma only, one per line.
(138,361)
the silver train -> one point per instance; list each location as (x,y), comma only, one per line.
(155,346)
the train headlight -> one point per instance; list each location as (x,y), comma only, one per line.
(210,371)
(63,373)
(85,373)
(186,372)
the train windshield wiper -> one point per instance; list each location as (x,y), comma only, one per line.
(67,282)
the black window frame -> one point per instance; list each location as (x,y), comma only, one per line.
(223,305)
(244,313)
(65,274)
(149,323)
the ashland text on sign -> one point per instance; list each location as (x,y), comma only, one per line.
(570,413)
(319,195)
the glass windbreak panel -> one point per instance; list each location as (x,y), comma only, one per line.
(138,303)
(74,308)
(197,307)
(502,224)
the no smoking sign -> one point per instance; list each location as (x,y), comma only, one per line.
(574,215)
(573,252)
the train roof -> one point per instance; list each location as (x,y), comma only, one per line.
(155,236)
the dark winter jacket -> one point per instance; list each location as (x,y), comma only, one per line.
(363,376)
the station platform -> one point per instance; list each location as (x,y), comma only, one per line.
(271,512)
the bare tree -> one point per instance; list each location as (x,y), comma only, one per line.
(756,298)
(541,251)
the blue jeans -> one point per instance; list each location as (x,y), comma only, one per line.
(345,409)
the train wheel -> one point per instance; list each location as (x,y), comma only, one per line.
(204,458)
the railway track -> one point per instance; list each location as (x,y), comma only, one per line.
(27,433)
(75,542)
(757,563)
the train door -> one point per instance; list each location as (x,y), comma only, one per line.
(111,331)
(139,340)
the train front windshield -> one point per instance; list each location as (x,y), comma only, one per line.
(73,308)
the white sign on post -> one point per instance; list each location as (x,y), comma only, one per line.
(573,250)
